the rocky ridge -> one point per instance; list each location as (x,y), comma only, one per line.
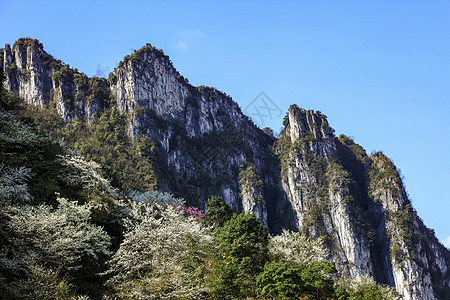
(307,180)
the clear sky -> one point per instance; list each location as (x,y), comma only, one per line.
(380,70)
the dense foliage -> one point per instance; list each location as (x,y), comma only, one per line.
(128,162)
(164,255)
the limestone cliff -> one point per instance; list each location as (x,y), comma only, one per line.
(318,188)
(358,204)
(420,264)
(42,80)
(203,136)
(307,179)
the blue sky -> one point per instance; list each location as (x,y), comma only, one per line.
(378,69)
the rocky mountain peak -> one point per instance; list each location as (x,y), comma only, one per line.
(310,126)
(42,80)
(27,75)
(303,121)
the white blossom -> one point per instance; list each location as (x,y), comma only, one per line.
(366,283)
(296,248)
(162,198)
(149,263)
(43,283)
(61,238)
(86,174)
(13,184)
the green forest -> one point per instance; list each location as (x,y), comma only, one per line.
(83,218)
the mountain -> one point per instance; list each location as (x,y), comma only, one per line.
(196,142)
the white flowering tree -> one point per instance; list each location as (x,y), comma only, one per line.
(366,287)
(86,175)
(164,255)
(50,246)
(61,238)
(43,283)
(13,184)
(295,248)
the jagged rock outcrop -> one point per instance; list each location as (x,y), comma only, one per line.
(307,179)
(420,264)
(42,80)
(252,193)
(316,184)
(27,74)
(358,204)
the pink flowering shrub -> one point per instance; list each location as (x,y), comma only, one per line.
(193,211)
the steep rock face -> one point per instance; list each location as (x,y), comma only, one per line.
(26,73)
(41,80)
(148,81)
(303,123)
(316,184)
(190,124)
(252,193)
(420,264)
(358,205)
(307,180)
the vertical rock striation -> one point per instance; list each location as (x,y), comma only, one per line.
(420,264)
(41,80)
(317,185)
(203,134)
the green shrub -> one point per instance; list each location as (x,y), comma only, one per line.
(217,212)
(280,281)
(12,69)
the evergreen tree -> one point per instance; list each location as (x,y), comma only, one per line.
(242,254)
(217,212)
